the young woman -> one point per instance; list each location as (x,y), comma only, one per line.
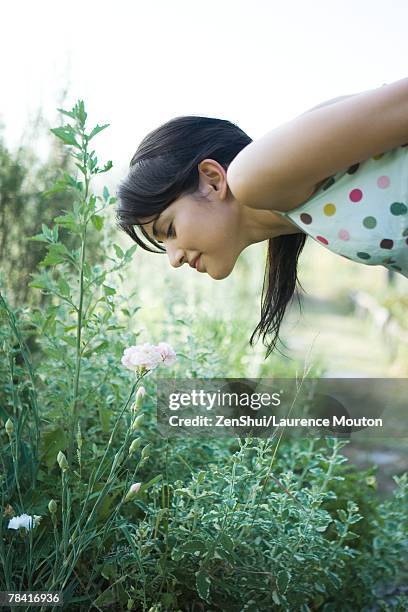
(204,190)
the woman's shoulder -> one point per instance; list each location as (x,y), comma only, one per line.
(296,156)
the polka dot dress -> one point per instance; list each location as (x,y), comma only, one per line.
(362,213)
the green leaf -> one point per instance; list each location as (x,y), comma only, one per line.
(52,441)
(118,250)
(97,220)
(203,583)
(96,130)
(130,252)
(68,113)
(109,290)
(38,284)
(71,340)
(343,515)
(38,237)
(56,254)
(106,167)
(69,222)
(49,326)
(66,134)
(79,110)
(354,519)
(63,287)
(194,546)
(46,231)
(105,194)
(82,168)
(96,349)
(227,543)
(282,580)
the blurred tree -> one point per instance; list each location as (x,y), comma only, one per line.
(24,176)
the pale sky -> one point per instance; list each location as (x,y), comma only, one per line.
(139,63)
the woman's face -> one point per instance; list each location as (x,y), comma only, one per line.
(213,225)
(189,228)
(209,226)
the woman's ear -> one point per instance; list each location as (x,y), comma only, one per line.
(212,178)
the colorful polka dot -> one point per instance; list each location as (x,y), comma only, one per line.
(344,235)
(388,260)
(405,232)
(386,243)
(369,222)
(355,195)
(363,255)
(305,218)
(383,182)
(321,239)
(329,210)
(398,208)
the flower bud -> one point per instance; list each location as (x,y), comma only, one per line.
(52,506)
(145,451)
(62,461)
(135,445)
(137,422)
(133,491)
(9,427)
(140,393)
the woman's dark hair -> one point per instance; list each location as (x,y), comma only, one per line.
(165,167)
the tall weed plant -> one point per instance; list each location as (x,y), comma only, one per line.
(211,523)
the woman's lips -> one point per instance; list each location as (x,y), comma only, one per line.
(197,261)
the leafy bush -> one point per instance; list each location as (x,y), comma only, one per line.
(212,523)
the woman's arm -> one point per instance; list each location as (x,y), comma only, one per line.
(280,170)
(328,102)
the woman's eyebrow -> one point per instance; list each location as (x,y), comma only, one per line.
(155,231)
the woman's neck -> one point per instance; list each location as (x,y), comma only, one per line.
(262,225)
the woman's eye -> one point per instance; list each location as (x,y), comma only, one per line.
(170,231)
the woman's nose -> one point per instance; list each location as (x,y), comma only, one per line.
(177,257)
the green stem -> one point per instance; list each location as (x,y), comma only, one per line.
(79,319)
(32,389)
(74,553)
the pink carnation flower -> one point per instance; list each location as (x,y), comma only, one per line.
(141,356)
(148,356)
(167,353)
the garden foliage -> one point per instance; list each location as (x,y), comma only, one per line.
(127,519)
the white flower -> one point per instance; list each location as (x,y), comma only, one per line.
(24,520)
(167,353)
(148,356)
(141,356)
